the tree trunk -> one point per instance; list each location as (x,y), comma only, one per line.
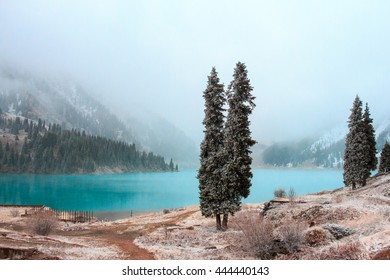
(218,221)
(353,185)
(225,221)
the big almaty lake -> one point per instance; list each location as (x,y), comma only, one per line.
(147,191)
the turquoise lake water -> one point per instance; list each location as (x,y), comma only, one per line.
(147,191)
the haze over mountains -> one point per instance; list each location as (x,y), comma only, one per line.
(324,151)
(66,103)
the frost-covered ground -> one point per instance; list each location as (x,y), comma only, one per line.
(342,224)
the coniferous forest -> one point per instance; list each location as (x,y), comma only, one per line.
(37,147)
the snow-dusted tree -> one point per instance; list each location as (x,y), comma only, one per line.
(211,163)
(370,143)
(384,165)
(237,142)
(356,159)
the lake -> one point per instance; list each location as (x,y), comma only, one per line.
(147,191)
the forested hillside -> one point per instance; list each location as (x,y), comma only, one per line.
(67,103)
(36,147)
(58,101)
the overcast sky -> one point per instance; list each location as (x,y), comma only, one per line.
(307,60)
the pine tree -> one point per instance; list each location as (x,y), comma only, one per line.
(171,165)
(357,162)
(370,141)
(209,173)
(384,165)
(237,142)
(25,147)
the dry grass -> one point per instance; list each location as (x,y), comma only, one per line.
(316,236)
(43,223)
(341,251)
(15,213)
(292,195)
(292,236)
(80,252)
(258,234)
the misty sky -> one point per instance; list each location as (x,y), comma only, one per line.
(306,59)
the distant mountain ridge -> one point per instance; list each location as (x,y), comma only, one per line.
(61,102)
(66,103)
(326,151)
(162,137)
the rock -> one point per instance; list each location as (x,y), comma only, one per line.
(211,248)
(17,253)
(338,231)
(312,214)
(280,200)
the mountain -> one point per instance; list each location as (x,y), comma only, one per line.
(383,134)
(49,149)
(325,151)
(66,103)
(58,101)
(162,137)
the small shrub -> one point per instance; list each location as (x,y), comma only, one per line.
(258,234)
(316,236)
(43,223)
(279,192)
(15,213)
(292,195)
(292,235)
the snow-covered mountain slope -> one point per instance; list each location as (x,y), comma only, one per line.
(56,101)
(383,133)
(66,103)
(158,135)
(325,151)
(329,138)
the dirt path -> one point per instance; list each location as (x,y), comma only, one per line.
(122,234)
(123,240)
(122,237)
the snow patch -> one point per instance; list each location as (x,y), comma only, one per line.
(328,139)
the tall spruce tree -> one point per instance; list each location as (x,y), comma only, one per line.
(211,163)
(237,142)
(370,150)
(384,165)
(357,159)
